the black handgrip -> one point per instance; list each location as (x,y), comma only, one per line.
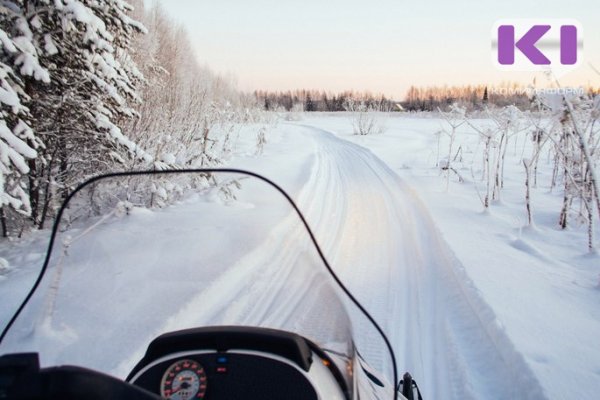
(21,379)
(409,385)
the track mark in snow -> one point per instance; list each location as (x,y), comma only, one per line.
(385,246)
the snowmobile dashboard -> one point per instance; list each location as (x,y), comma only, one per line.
(206,363)
(235,363)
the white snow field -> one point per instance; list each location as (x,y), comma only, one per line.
(475,306)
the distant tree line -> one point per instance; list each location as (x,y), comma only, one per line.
(316,100)
(430,98)
(472,97)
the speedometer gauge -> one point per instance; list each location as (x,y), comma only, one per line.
(184,380)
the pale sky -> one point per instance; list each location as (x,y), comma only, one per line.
(379,45)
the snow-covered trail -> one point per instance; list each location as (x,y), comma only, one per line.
(384,245)
(382,242)
(375,232)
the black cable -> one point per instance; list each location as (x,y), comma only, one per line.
(203,171)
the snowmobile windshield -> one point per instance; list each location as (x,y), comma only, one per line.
(135,256)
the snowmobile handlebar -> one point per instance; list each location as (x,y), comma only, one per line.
(22,379)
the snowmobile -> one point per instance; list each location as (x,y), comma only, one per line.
(194,284)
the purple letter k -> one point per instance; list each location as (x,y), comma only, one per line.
(506,44)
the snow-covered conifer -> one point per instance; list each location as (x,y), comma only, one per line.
(77,81)
(18,144)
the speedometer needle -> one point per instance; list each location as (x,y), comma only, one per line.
(183,386)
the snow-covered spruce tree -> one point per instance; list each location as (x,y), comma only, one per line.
(83,45)
(18,144)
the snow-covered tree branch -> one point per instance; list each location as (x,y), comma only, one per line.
(88,86)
